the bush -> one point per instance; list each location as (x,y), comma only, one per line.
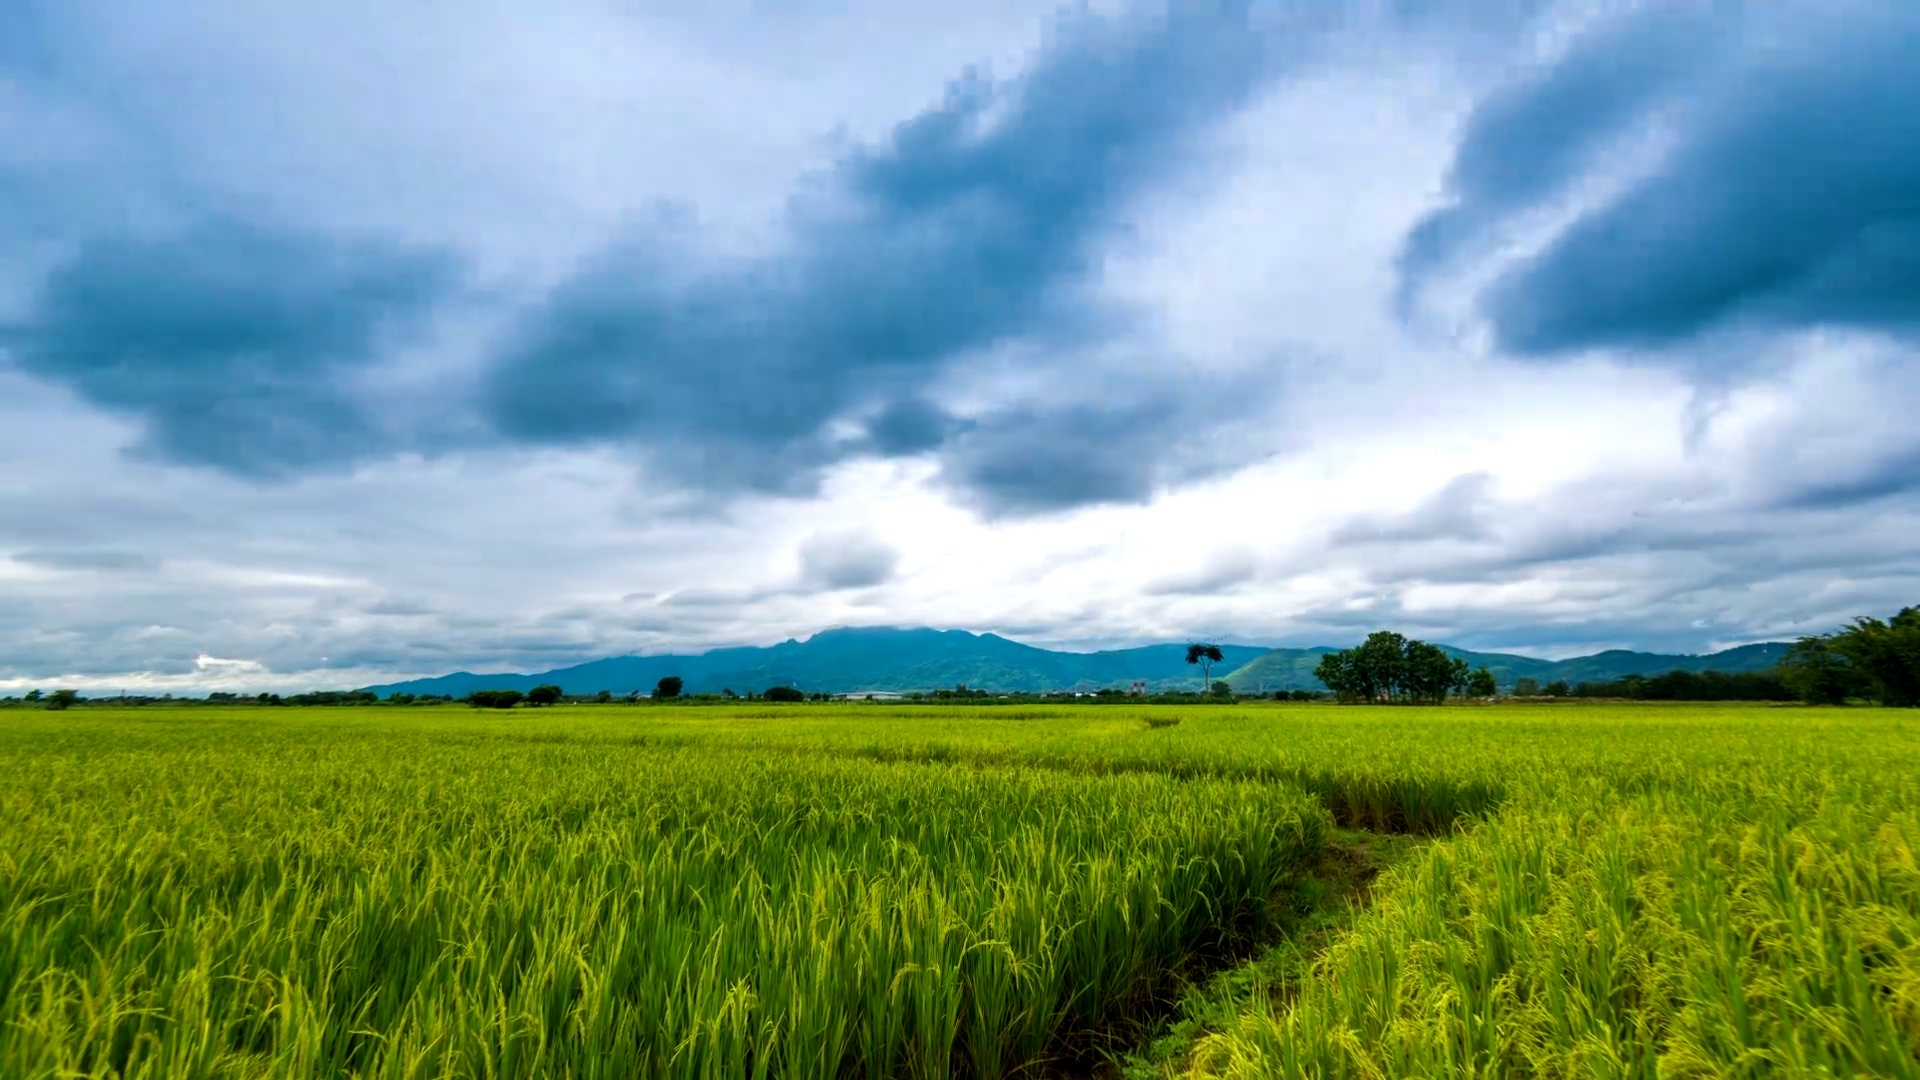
(783,693)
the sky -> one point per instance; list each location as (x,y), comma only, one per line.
(353,341)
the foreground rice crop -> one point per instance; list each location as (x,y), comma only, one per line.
(496,898)
(1702,891)
(854,890)
(1667,936)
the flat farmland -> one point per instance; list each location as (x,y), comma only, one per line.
(961,891)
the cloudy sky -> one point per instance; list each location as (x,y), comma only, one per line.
(351,340)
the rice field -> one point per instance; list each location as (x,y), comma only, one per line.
(855,890)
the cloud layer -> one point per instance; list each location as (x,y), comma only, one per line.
(1556,326)
(237,346)
(1783,190)
(973,225)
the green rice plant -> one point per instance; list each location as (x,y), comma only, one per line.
(1754,912)
(866,890)
(484,898)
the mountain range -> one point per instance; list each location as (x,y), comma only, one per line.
(1292,669)
(898,660)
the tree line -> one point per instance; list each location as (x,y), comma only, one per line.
(1869,658)
(1693,686)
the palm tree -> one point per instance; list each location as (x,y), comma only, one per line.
(1206,655)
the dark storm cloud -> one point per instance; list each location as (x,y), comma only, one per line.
(1526,142)
(235,345)
(725,599)
(1889,477)
(910,426)
(1121,436)
(973,225)
(1789,195)
(1218,574)
(1454,512)
(99,560)
(846,561)
(1035,461)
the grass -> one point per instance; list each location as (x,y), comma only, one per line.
(862,890)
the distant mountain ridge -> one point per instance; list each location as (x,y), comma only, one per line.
(903,660)
(879,659)
(1292,669)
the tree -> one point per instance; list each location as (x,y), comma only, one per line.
(1557,688)
(545,694)
(33,695)
(603,696)
(1887,653)
(783,693)
(1429,674)
(1527,686)
(1336,670)
(1820,674)
(1222,690)
(1390,667)
(494,699)
(1368,672)
(1380,665)
(668,687)
(1481,684)
(1206,655)
(61,699)
(1679,685)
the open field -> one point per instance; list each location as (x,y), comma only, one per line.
(860,890)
